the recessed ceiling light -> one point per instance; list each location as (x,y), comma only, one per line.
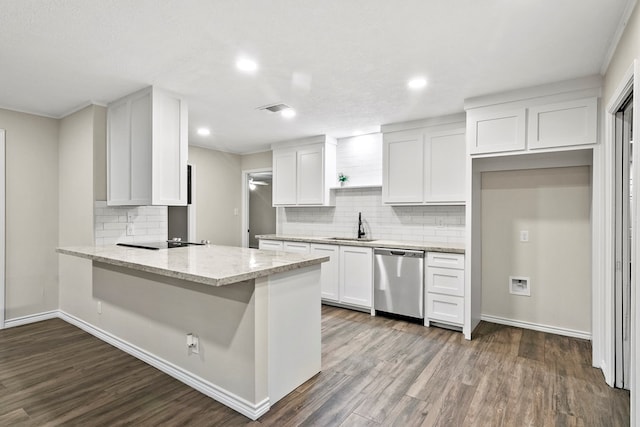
(288,113)
(417,83)
(246,65)
(204,132)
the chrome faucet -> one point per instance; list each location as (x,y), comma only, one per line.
(361,232)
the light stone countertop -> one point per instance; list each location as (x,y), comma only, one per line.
(211,265)
(395,244)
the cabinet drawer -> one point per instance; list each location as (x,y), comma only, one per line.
(445,281)
(445,308)
(445,260)
(270,245)
(296,247)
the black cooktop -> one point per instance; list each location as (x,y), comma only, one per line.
(169,244)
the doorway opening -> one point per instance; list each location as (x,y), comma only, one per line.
(182,219)
(624,216)
(259,215)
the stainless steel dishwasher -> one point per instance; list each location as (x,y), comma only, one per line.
(398,282)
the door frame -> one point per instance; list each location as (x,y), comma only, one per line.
(604,312)
(244,236)
(604,303)
(191,209)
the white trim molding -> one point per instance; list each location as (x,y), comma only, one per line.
(537,327)
(613,45)
(31,318)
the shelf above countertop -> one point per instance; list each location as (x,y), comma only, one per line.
(347,187)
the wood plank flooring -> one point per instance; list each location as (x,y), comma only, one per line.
(375,372)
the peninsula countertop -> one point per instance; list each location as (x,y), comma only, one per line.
(375,243)
(210,264)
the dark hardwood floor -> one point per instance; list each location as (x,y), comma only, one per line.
(375,372)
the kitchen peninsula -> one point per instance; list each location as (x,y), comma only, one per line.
(240,325)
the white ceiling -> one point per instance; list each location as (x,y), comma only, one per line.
(342,64)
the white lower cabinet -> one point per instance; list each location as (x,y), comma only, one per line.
(445,288)
(330,271)
(347,278)
(356,275)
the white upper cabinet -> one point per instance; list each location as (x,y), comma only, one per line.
(497,131)
(147,149)
(304,171)
(555,118)
(563,124)
(424,165)
(403,167)
(284,178)
(444,174)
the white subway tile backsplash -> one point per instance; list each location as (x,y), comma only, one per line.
(433,224)
(110,223)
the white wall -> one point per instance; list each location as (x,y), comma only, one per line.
(553,205)
(430,224)
(150,223)
(77,139)
(31,213)
(360,158)
(262,160)
(218,195)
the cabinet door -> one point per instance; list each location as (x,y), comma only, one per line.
(284,178)
(296,247)
(402,167)
(563,124)
(330,271)
(270,245)
(356,275)
(118,149)
(310,176)
(141,148)
(170,149)
(496,131)
(445,167)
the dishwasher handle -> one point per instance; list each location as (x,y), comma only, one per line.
(399,252)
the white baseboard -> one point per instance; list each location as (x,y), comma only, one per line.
(31,318)
(246,408)
(537,327)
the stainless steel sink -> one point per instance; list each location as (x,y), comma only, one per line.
(352,239)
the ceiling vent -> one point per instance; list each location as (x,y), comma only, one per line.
(274,108)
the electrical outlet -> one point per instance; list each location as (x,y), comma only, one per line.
(440,222)
(193,344)
(236,211)
(130,230)
(524,235)
(99,307)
